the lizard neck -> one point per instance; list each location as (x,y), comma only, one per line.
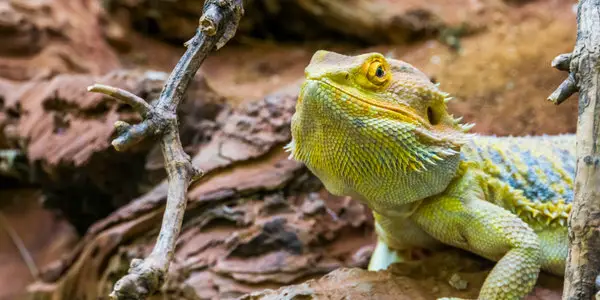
(379,155)
(368,159)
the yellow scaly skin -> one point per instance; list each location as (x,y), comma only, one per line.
(377,129)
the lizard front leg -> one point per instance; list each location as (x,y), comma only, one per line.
(492,232)
(399,239)
(383,257)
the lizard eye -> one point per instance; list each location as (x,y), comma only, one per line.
(379,72)
(376,73)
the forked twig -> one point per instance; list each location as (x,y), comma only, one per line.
(568,87)
(218,24)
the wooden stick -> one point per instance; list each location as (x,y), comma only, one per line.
(218,24)
(583,261)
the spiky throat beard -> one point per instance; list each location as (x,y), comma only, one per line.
(355,153)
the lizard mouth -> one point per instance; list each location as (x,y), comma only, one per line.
(402,112)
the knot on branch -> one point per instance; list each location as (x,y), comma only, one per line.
(562,62)
(141,280)
(155,121)
(568,87)
(217,10)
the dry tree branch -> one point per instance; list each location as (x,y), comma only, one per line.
(218,24)
(583,65)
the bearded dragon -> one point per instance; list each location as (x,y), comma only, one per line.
(378,130)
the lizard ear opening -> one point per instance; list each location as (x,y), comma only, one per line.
(432,116)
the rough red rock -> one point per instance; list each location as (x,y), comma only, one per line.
(246,227)
(373,22)
(65,133)
(48,37)
(45,237)
(501,77)
(430,278)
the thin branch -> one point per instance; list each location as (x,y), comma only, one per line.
(562,62)
(568,87)
(130,135)
(217,25)
(134,101)
(583,260)
(565,90)
(18,242)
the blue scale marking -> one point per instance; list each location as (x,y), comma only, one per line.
(567,160)
(534,186)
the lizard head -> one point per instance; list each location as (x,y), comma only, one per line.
(361,118)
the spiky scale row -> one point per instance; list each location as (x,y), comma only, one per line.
(537,214)
(466,127)
(518,169)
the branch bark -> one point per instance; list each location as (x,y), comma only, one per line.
(583,261)
(218,24)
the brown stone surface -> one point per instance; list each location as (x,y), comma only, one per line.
(66,132)
(48,37)
(257,220)
(499,78)
(373,21)
(431,278)
(502,77)
(46,237)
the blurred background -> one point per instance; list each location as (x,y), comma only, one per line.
(74,212)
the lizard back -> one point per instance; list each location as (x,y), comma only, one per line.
(538,170)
